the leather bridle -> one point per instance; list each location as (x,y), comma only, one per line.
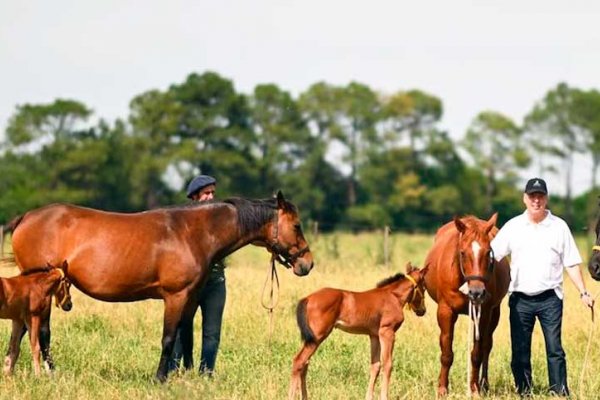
(279,253)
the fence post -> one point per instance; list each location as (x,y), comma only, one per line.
(386,246)
(315,230)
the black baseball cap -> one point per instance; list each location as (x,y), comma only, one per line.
(536,185)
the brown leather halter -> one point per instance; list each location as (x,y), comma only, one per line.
(280,254)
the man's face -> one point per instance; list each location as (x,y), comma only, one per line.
(204,194)
(535,203)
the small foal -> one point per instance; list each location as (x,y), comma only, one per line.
(376,312)
(26,299)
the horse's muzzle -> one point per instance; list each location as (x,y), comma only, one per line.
(302,268)
(420,313)
(477,295)
(594,268)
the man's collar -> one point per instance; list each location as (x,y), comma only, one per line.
(545,222)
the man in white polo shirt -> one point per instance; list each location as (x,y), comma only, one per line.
(540,246)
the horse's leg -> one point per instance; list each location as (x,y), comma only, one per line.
(174,305)
(446,320)
(477,352)
(187,333)
(486,347)
(45,339)
(14,346)
(386,338)
(300,369)
(34,338)
(375,365)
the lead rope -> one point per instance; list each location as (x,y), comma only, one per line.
(273,295)
(587,352)
(474,317)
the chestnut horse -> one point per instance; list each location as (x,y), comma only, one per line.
(376,312)
(26,299)
(158,254)
(462,270)
(594,262)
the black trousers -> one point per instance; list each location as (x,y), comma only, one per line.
(524,310)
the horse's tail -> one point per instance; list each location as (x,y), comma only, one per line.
(305,332)
(9,227)
(12,225)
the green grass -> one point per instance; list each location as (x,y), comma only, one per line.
(111,351)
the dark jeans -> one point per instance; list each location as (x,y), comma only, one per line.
(211,300)
(547,308)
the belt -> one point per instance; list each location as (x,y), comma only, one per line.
(536,297)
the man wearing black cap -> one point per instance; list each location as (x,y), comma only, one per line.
(211,297)
(541,246)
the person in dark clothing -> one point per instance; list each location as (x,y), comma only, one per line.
(211,297)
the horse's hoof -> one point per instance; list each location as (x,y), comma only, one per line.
(161,378)
(442,392)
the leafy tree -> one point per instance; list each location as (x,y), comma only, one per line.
(494,142)
(412,113)
(554,131)
(215,133)
(52,121)
(586,114)
(279,133)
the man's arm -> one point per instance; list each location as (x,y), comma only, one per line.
(575,274)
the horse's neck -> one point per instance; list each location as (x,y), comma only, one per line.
(48,281)
(401,290)
(221,222)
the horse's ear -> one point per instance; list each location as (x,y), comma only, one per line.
(423,271)
(64,266)
(409,267)
(281,203)
(491,223)
(459,225)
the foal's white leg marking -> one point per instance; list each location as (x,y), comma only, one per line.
(7,365)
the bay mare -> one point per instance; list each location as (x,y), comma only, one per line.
(461,257)
(158,254)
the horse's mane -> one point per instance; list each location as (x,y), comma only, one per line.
(390,280)
(253,214)
(36,270)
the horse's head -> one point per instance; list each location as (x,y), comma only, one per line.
(475,256)
(62,294)
(416,300)
(287,242)
(594,263)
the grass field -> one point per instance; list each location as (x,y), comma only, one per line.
(111,351)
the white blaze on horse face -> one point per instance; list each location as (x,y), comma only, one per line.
(475,246)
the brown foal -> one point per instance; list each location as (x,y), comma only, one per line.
(26,299)
(377,312)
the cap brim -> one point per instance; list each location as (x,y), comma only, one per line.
(535,191)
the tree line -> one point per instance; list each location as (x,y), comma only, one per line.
(350,157)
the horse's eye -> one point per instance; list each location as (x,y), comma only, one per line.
(297,227)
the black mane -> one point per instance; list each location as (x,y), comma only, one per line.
(390,279)
(253,214)
(36,270)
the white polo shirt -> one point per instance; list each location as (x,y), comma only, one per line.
(539,252)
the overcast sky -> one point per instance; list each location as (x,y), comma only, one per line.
(475,55)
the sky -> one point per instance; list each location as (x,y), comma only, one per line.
(474,55)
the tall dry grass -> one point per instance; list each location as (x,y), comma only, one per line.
(111,351)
